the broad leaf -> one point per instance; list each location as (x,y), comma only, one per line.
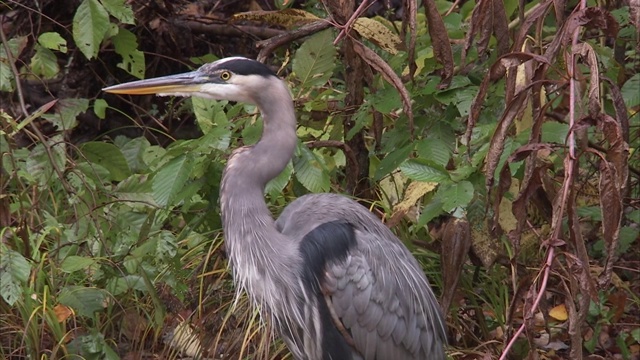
(74,263)
(108,156)
(53,41)
(84,300)
(126,45)
(275,186)
(310,171)
(100,108)
(314,62)
(288,18)
(456,195)
(44,63)
(378,33)
(15,45)
(435,150)
(631,92)
(170,179)
(392,161)
(90,24)
(422,170)
(68,111)
(14,273)
(120,9)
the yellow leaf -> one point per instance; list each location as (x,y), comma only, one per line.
(379,34)
(559,313)
(288,18)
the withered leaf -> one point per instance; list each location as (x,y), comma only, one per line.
(375,61)
(440,41)
(456,242)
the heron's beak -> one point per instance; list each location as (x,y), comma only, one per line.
(186,83)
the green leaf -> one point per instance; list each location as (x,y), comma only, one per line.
(14,273)
(392,161)
(275,186)
(100,108)
(84,300)
(314,62)
(90,24)
(430,211)
(209,113)
(631,92)
(167,246)
(39,164)
(126,45)
(15,45)
(170,179)
(456,195)
(108,156)
(554,132)
(44,63)
(120,10)
(422,170)
(118,286)
(74,263)
(134,151)
(68,111)
(387,100)
(310,171)
(435,150)
(53,41)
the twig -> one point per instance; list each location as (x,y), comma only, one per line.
(268,46)
(14,69)
(569,164)
(230,30)
(347,27)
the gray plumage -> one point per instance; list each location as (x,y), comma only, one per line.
(330,276)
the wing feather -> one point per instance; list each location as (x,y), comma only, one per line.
(379,292)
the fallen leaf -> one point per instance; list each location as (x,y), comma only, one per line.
(559,313)
(62,312)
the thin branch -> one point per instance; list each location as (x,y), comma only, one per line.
(268,46)
(14,69)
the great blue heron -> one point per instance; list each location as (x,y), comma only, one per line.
(334,280)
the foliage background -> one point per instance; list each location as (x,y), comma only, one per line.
(497,139)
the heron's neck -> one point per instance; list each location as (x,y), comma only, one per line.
(244,211)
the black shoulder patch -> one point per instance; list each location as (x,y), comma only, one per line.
(240,66)
(327,243)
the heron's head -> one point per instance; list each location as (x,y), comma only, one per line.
(234,79)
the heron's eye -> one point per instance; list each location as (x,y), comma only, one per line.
(225,75)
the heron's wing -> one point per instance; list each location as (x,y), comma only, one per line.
(377,291)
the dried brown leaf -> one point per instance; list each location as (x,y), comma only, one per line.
(480,11)
(588,55)
(456,242)
(501,26)
(611,206)
(497,71)
(496,146)
(485,247)
(440,41)
(591,17)
(376,62)
(618,152)
(415,191)
(529,187)
(409,18)
(619,106)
